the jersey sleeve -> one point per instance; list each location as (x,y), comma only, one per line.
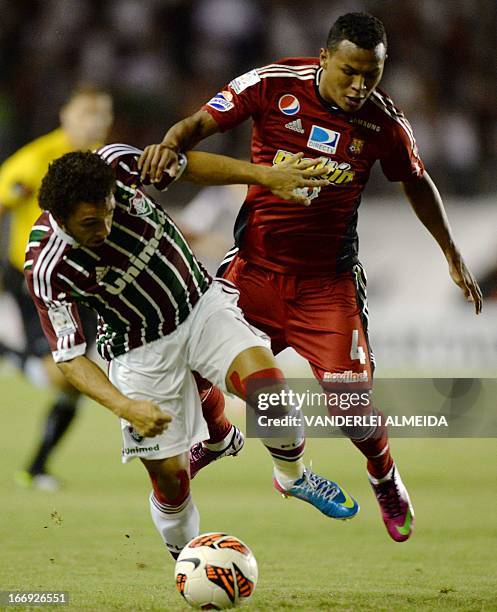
(401,161)
(59,317)
(240,99)
(124,160)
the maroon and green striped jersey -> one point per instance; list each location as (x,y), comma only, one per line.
(143,281)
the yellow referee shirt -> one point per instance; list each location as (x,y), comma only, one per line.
(20,179)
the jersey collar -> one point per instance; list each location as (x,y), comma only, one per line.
(60,232)
(329,106)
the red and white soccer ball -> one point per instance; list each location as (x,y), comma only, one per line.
(216,571)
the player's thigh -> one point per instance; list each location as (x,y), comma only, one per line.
(158,372)
(166,468)
(219,333)
(327,326)
(259,300)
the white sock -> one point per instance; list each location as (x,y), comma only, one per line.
(287,472)
(224,443)
(177,525)
(388,476)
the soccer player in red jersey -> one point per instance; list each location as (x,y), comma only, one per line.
(304,260)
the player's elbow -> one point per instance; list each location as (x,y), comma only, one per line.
(65,367)
(68,368)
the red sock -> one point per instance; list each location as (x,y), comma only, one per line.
(213,411)
(212,400)
(377,451)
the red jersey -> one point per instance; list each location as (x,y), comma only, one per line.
(289,115)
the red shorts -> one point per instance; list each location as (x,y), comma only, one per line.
(323,318)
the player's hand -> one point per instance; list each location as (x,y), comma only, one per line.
(157,159)
(147,418)
(464,279)
(287,180)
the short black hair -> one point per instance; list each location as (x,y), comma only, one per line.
(80,176)
(363,29)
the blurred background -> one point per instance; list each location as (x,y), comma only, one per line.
(162,59)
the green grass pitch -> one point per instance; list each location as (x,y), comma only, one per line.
(95,538)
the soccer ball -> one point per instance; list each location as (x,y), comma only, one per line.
(216,571)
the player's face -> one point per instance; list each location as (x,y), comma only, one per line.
(87,119)
(350,74)
(90,224)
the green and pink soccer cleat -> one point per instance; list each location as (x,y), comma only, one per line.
(201,456)
(395,505)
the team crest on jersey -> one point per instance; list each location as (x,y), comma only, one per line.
(323,140)
(355,147)
(288,104)
(134,434)
(139,205)
(222,101)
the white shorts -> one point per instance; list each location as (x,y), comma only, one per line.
(207,341)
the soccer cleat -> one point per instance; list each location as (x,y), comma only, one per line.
(42,482)
(200,455)
(327,496)
(396,508)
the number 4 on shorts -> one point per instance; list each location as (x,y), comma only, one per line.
(356,351)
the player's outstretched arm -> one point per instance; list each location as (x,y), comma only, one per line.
(145,416)
(427,203)
(282,179)
(163,157)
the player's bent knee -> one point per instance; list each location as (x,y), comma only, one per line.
(170,478)
(249,362)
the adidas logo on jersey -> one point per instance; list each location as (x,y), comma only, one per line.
(296,126)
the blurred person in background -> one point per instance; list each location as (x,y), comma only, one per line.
(304,261)
(85,121)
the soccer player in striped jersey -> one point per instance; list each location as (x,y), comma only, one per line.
(103,242)
(304,261)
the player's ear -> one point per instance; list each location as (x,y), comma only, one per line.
(323,57)
(63,114)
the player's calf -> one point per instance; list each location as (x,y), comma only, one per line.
(172,508)
(291,477)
